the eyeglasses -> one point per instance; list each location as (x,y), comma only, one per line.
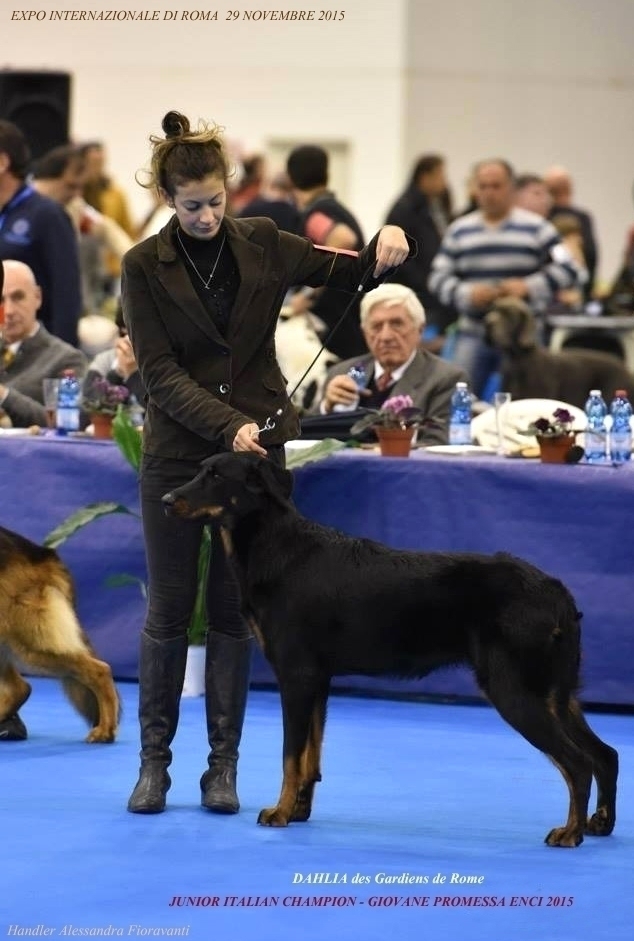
(397,324)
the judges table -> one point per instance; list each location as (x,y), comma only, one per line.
(574,521)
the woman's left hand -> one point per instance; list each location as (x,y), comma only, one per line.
(391,249)
(247,439)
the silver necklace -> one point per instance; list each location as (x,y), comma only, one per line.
(213,270)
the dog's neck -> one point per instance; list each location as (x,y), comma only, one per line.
(248,542)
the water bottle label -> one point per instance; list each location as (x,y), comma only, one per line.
(595,446)
(621,446)
(460,433)
(68,419)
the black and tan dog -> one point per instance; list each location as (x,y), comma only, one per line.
(325,604)
(39,628)
(529,371)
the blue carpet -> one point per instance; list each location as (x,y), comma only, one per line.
(410,789)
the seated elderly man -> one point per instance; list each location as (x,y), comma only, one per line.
(28,352)
(392,319)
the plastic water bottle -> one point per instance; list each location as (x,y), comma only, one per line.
(460,415)
(68,397)
(621,432)
(359,376)
(596,431)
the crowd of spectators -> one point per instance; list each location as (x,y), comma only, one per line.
(69,224)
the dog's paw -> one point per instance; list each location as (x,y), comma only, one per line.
(272,817)
(564,836)
(101,736)
(13,729)
(300,814)
(601,823)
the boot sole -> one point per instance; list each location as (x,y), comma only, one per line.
(218,808)
(146,810)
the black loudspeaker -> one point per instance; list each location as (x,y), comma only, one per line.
(39,103)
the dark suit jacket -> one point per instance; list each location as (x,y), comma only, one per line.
(201,387)
(429,380)
(42,356)
(412,213)
(588,238)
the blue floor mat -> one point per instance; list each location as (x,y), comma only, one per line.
(427,814)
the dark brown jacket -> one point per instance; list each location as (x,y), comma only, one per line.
(202,388)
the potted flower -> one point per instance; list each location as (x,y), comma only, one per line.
(101,400)
(394,424)
(556,437)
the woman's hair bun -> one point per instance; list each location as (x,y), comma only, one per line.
(175,124)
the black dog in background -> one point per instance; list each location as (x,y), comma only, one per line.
(324,604)
(529,371)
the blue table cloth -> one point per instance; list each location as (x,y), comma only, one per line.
(573,521)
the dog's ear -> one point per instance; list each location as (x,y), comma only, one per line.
(273,480)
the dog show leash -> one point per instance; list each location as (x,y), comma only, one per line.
(270,422)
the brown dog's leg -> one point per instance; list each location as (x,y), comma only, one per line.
(310,763)
(298,707)
(88,684)
(14,690)
(537,720)
(605,768)
(47,636)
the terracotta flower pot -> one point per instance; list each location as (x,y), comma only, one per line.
(395,442)
(555,449)
(102,425)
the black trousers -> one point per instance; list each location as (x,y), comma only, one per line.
(172,547)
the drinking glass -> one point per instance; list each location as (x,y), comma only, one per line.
(501,401)
(50,388)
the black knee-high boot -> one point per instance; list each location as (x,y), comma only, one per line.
(161,674)
(227,670)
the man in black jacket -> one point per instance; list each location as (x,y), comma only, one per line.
(422,210)
(36,230)
(326,221)
(559,182)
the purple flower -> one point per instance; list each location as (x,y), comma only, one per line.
(559,424)
(397,404)
(104,397)
(563,416)
(542,425)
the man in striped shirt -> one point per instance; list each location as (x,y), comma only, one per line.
(500,250)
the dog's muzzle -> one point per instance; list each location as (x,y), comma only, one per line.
(178,506)
(172,504)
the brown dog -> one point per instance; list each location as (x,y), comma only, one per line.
(324,604)
(529,371)
(39,628)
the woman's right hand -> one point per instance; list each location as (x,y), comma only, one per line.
(247,439)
